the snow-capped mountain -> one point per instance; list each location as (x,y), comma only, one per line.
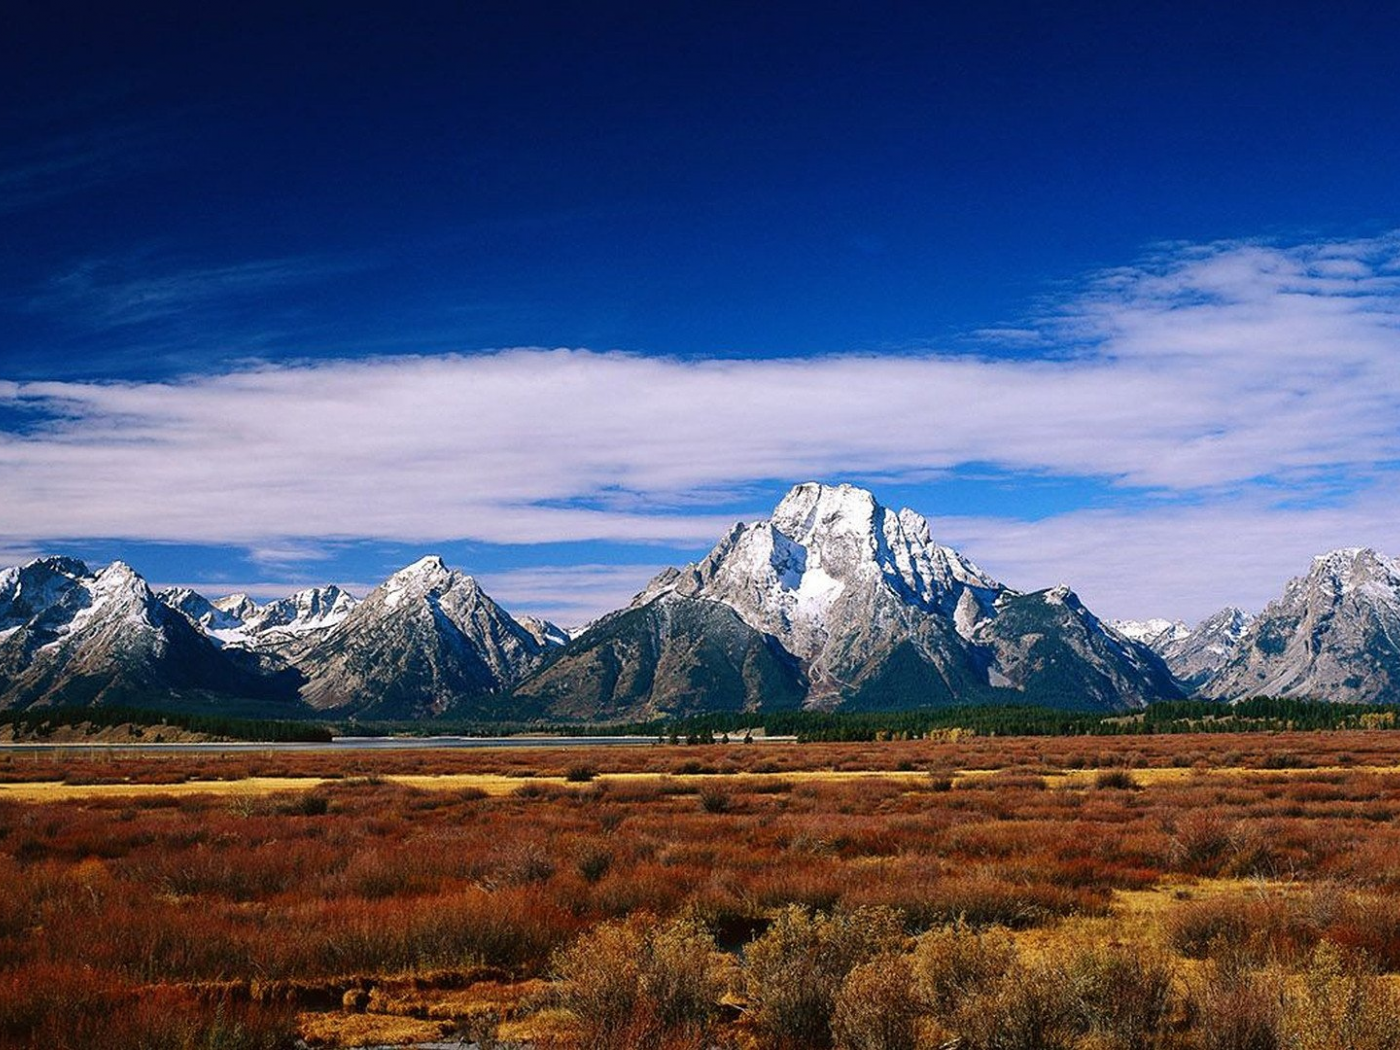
(425,641)
(834,601)
(1152,633)
(1333,635)
(877,614)
(286,628)
(69,635)
(832,563)
(1196,654)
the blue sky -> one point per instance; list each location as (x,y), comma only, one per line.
(1110,295)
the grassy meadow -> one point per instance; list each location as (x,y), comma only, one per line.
(1018,893)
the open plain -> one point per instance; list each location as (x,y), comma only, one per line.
(993,892)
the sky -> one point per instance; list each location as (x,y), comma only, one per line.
(297,293)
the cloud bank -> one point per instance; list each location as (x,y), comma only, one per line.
(1237,385)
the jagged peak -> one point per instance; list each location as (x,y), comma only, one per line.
(1343,554)
(1231,616)
(174,595)
(812,506)
(545,632)
(239,606)
(327,595)
(1151,632)
(1349,570)
(58,563)
(119,573)
(425,576)
(429,565)
(1345,560)
(915,526)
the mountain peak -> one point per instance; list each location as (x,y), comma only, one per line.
(119,580)
(431,565)
(58,564)
(1332,634)
(839,580)
(812,507)
(1348,565)
(1153,633)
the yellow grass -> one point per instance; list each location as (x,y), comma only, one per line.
(53,791)
(334,1030)
(498,784)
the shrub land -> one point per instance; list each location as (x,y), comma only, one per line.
(1175,891)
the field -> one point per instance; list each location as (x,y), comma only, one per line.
(1192,891)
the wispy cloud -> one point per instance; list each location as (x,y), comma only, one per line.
(115,292)
(569,595)
(1234,375)
(1179,561)
(288,553)
(62,165)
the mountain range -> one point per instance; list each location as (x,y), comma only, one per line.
(833,603)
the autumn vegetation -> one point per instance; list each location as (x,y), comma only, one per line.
(1200,892)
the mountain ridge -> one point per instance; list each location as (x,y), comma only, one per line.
(834,602)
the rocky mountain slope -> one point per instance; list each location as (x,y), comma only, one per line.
(287,628)
(1333,635)
(72,636)
(833,602)
(878,615)
(427,641)
(1196,655)
(668,657)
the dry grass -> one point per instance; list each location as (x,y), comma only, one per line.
(349,1029)
(441,884)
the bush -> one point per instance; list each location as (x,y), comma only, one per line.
(955,962)
(638,981)
(1238,1010)
(1199,929)
(875,1008)
(580,773)
(795,971)
(594,862)
(714,800)
(1117,779)
(1026,1008)
(306,804)
(1200,844)
(1341,1007)
(980,991)
(1119,995)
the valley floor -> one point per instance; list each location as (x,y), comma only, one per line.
(1167,891)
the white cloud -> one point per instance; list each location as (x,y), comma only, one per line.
(291,552)
(569,595)
(1182,562)
(1228,374)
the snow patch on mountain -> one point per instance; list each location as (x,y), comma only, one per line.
(1153,632)
(821,559)
(283,627)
